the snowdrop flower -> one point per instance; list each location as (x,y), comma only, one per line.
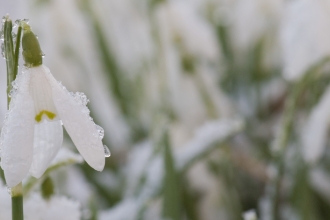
(305,37)
(33,134)
(315,132)
(250,215)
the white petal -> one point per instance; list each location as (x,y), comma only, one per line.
(41,92)
(76,120)
(17,133)
(48,138)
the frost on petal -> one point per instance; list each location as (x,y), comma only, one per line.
(74,114)
(315,132)
(17,133)
(48,138)
(57,207)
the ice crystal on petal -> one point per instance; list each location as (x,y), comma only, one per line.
(12,94)
(100,131)
(80,97)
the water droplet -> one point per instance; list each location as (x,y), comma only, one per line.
(4,19)
(26,20)
(106,151)
(3,50)
(8,190)
(17,23)
(2,36)
(14,37)
(61,122)
(14,85)
(100,131)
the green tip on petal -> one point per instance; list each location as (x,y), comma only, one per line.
(32,53)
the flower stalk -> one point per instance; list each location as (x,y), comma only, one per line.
(12,57)
(17,202)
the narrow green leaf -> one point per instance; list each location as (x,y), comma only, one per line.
(17,47)
(172,197)
(9,54)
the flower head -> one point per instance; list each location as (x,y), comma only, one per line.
(33,134)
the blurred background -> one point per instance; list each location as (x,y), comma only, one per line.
(212,109)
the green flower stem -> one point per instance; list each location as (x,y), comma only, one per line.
(31,182)
(12,58)
(17,202)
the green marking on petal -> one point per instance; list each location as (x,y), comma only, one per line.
(49,114)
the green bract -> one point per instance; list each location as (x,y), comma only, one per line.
(32,53)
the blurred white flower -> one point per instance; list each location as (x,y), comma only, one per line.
(315,132)
(57,207)
(305,37)
(128,210)
(33,133)
(250,215)
(250,20)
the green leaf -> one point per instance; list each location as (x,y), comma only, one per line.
(32,53)
(172,198)
(9,53)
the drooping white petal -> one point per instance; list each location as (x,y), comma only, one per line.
(48,138)
(17,133)
(76,120)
